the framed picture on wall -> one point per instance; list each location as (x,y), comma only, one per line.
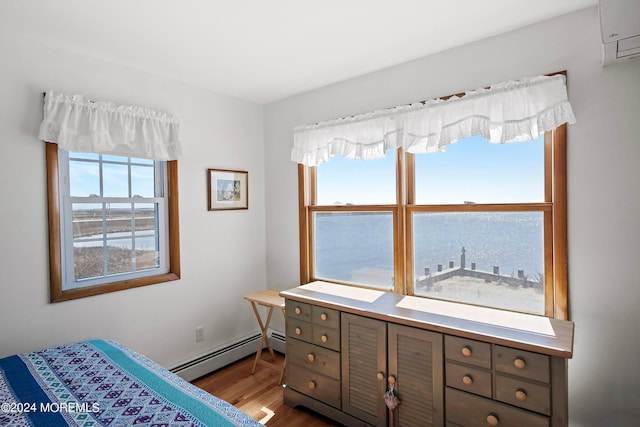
(228,189)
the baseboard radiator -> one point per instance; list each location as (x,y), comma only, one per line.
(226,355)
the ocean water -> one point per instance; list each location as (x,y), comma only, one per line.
(359,247)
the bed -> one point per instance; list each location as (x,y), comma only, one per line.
(102,382)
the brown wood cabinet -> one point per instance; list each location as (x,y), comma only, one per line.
(449,364)
(376,356)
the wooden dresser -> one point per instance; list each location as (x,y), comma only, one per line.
(450,364)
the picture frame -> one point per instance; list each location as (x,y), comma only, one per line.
(227,189)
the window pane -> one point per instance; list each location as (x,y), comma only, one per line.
(88,259)
(119,256)
(491,259)
(354,247)
(146,236)
(115,180)
(86,219)
(146,259)
(145,217)
(118,217)
(142,181)
(474,170)
(84,178)
(343,181)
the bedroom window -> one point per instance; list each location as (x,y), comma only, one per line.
(112,193)
(353,221)
(476,233)
(472,221)
(114,228)
(478,226)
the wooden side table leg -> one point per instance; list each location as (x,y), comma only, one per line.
(264,339)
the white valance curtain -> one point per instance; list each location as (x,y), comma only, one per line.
(512,111)
(78,124)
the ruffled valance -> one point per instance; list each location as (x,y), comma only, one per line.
(77,124)
(512,111)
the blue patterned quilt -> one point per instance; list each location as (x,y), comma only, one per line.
(103,383)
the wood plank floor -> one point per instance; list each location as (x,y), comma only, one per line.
(259,395)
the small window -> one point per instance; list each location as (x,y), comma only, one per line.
(111,221)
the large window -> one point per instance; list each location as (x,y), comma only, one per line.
(113,222)
(480,223)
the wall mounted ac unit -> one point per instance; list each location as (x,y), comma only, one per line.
(620,29)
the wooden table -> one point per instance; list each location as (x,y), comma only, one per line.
(271,299)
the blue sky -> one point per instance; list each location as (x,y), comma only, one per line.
(85,177)
(470,170)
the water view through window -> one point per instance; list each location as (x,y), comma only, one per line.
(354,247)
(485,258)
(457,250)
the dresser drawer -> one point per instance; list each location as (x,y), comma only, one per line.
(469,410)
(312,384)
(314,358)
(468,378)
(522,393)
(298,310)
(299,329)
(468,351)
(325,317)
(326,337)
(522,363)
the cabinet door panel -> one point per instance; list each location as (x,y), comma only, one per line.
(364,346)
(415,360)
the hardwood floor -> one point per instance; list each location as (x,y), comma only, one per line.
(259,395)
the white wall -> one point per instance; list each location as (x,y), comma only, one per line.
(222,253)
(603,185)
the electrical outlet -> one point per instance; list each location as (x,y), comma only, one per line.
(200,333)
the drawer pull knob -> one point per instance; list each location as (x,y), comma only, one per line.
(312,385)
(298,331)
(298,310)
(311,357)
(519,363)
(380,376)
(391,379)
(466,351)
(521,395)
(492,420)
(324,338)
(467,379)
(323,316)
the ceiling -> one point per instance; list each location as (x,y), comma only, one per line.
(267,50)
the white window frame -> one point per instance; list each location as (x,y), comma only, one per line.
(66,222)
